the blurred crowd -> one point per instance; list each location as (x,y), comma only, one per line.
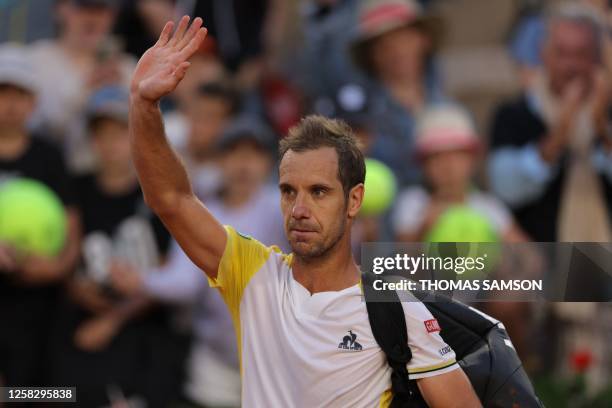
(499,106)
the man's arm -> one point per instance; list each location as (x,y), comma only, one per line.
(449,390)
(166,186)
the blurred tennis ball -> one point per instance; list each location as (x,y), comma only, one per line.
(380,188)
(462,224)
(32,217)
(460,231)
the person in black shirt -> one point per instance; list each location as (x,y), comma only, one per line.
(552,147)
(106,344)
(28,287)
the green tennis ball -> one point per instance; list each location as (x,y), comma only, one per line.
(380,188)
(32,218)
(462,224)
(462,232)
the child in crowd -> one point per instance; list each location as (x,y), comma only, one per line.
(447,147)
(30,287)
(196,135)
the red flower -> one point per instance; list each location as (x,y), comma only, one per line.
(581,360)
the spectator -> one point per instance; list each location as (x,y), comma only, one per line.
(81,60)
(252,205)
(246,158)
(114,339)
(447,147)
(526,44)
(196,132)
(394,44)
(28,289)
(552,153)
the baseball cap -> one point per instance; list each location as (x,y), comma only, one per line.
(445,127)
(110,102)
(248,127)
(350,103)
(378,17)
(17,68)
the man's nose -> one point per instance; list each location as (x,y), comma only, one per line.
(300,207)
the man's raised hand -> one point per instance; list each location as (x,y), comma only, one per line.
(163,66)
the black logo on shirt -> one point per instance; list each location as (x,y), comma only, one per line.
(348,342)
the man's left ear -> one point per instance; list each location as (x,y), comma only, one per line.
(355,198)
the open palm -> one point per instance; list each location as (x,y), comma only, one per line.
(163,66)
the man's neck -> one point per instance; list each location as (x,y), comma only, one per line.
(333,272)
(13,144)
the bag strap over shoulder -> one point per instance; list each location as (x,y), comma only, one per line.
(388,325)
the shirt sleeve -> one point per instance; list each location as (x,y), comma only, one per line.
(242,258)
(519,175)
(430,354)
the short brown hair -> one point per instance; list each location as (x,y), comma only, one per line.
(314,132)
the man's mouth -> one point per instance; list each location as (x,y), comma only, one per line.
(302,230)
(301,233)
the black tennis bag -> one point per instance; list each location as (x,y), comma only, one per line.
(481,344)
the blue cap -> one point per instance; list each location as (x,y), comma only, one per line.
(111,102)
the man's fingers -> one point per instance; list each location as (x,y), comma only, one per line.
(165,34)
(180,31)
(193,45)
(179,72)
(193,30)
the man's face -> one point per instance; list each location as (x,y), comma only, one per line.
(207,117)
(449,172)
(111,144)
(313,202)
(87,25)
(400,54)
(16,107)
(569,54)
(245,166)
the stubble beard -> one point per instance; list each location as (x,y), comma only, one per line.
(320,249)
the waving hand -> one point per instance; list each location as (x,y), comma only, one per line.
(164,65)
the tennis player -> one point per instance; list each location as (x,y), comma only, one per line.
(303,332)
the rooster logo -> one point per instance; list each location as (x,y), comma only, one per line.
(349,342)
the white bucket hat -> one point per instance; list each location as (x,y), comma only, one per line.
(443,128)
